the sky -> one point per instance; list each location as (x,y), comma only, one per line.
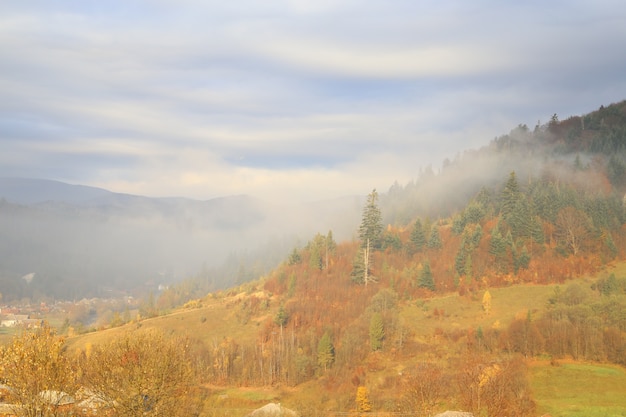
(291,100)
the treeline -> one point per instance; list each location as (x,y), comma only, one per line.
(590,148)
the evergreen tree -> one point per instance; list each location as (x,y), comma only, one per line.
(459,261)
(426,277)
(522,260)
(281,316)
(330,248)
(435,239)
(498,248)
(294,257)
(476,236)
(418,239)
(510,196)
(468,266)
(362,267)
(371,228)
(325,352)
(377,331)
(315,258)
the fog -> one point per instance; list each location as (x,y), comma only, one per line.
(87,242)
(75,241)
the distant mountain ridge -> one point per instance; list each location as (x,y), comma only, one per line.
(30,191)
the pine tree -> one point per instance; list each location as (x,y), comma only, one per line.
(467,268)
(371,229)
(497,245)
(330,248)
(459,261)
(418,239)
(281,316)
(377,331)
(362,267)
(435,239)
(325,352)
(426,277)
(294,257)
(510,196)
(315,258)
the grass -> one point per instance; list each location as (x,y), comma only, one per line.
(465,312)
(579,389)
(215,320)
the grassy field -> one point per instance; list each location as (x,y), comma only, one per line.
(579,389)
(507,303)
(214,320)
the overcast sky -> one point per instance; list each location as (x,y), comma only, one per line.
(289,99)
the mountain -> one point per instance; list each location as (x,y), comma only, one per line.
(81,241)
(29,191)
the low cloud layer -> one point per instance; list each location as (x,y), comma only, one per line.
(287,99)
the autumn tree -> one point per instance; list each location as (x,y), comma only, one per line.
(37,370)
(362,400)
(142,374)
(424,388)
(487,302)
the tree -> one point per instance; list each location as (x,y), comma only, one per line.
(281,316)
(510,196)
(143,373)
(371,229)
(426,277)
(487,302)
(363,404)
(418,239)
(361,268)
(325,352)
(573,227)
(377,331)
(434,242)
(424,388)
(330,247)
(294,257)
(320,249)
(35,367)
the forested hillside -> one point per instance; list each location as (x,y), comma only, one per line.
(346,314)
(436,303)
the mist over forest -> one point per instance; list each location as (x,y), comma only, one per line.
(66,241)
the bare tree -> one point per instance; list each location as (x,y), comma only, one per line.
(573,227)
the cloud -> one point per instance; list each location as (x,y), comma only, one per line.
(288,99)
